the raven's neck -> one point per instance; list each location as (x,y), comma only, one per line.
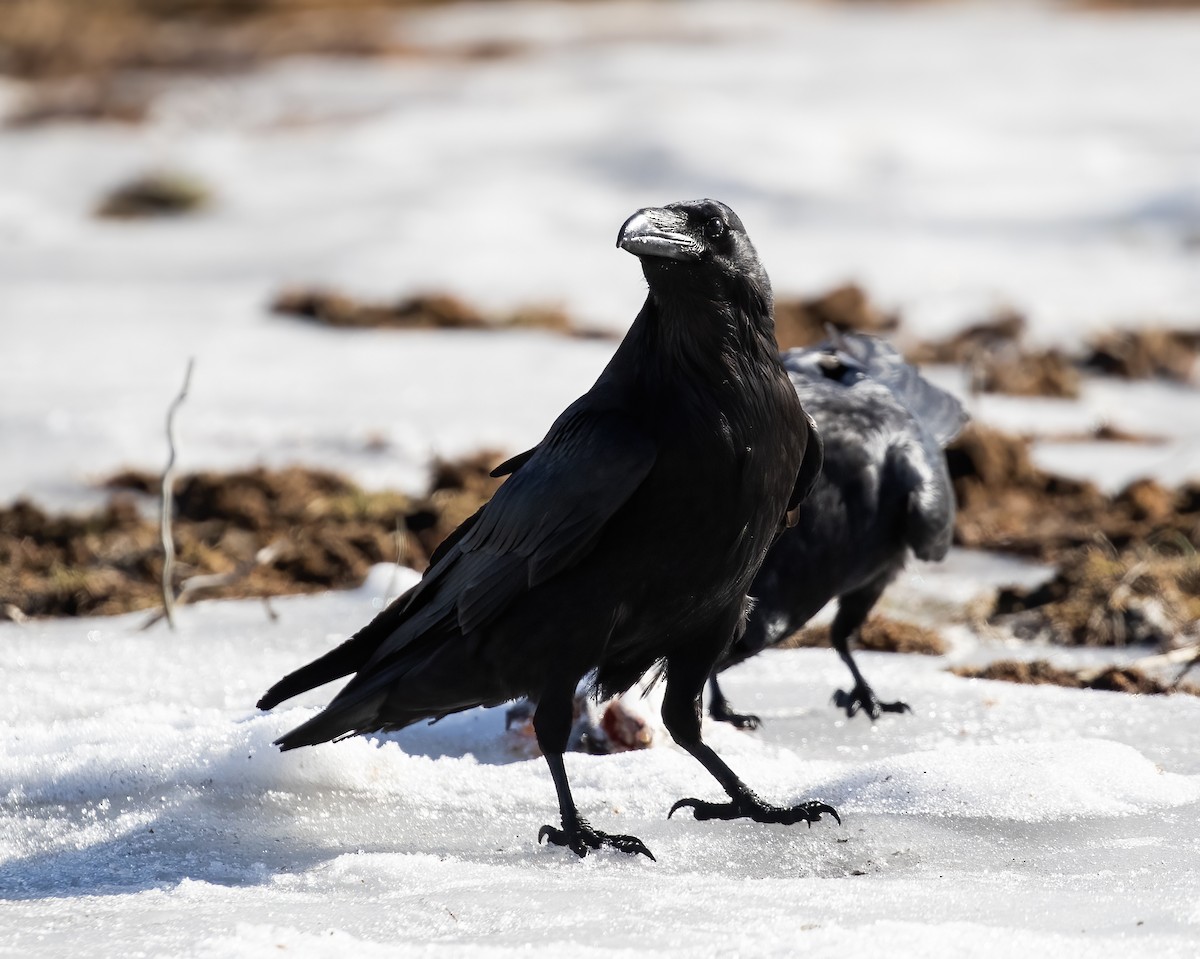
(682,341)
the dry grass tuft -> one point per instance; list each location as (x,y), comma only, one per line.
(324,532)
(1099,598)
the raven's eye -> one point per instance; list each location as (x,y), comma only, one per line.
(714,228)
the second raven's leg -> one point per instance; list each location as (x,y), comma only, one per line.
(681,715)
(721,712)
(552,723)
(852,613)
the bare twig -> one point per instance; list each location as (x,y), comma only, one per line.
(1188,655)
(167,500)
(196,584)
(391,584)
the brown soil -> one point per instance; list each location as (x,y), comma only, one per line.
(56,38)
(326,533)
(879,634)
(154,195)
(1006,503)
(1120,679)
(1104,433)
(1098,598)
(1128,567)
(427,312)
(1145,353)
(998,363)
(806,321)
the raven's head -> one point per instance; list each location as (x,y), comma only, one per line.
(697,248)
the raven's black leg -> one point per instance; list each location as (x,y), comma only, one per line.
(552,723)
(681,715)
(852,613)
(720,710)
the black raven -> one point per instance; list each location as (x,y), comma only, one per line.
(884,490)
(628,537)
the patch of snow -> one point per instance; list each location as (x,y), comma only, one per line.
(143,804)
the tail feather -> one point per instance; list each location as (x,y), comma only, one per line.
(350,656)
(338,662)
(360,716)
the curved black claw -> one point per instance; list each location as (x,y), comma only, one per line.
(584,839)
(722,713)
(863,697)
(759,811)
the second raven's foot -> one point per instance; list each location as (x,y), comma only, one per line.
(721,712)
(751,807)
(583,839)
(863,697)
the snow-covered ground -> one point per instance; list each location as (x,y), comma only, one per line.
(144,812)
(949,156)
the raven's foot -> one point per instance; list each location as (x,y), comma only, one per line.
(720,711)
(863,697)
(582,839)
(751,807)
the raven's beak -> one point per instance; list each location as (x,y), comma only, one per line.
(659,232)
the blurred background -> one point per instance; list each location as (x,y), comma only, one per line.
(384,232)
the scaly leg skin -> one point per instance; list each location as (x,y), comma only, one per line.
(582,838)
(720,710)
(552,723)
(863,697)
(750,806)
(681,715)
(852,613)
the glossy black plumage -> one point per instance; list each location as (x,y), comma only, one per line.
(629,536)
(884,491)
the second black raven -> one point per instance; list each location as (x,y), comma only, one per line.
(628,537)
(884,491)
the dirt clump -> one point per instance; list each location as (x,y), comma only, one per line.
(1005,328)
(436,311)
(1145,353)
(271,532)
(1018,372)
(1101,598)
(879,634)
(805,321)
(1039,672)
(997,361)
(1128,567)
(161,194)
(1006,503)
(46,39)
(1104,433)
